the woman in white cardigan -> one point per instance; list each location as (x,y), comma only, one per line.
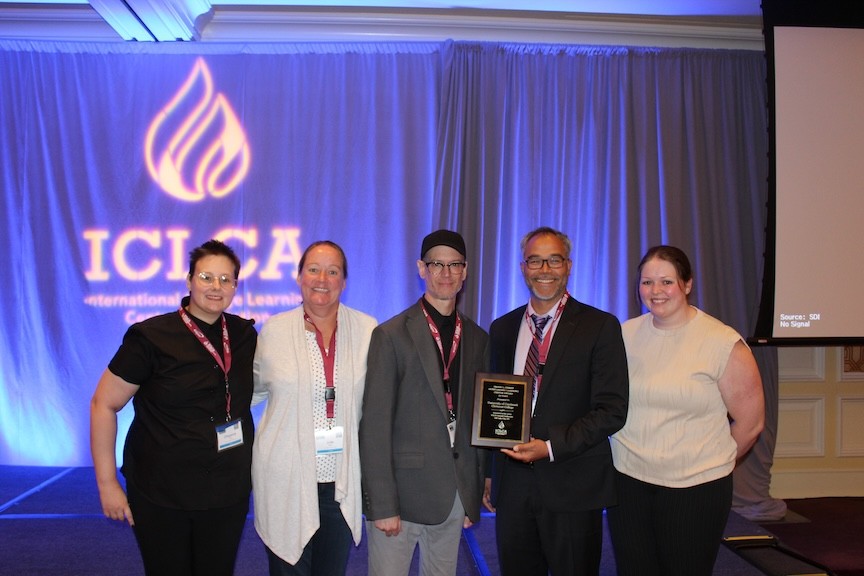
(310,366)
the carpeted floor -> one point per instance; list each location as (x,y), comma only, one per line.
(51,523)
(829,531)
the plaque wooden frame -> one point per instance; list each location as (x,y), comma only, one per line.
(502,410)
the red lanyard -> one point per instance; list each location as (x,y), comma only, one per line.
(329,359)
(457,336)
(226,348)
(543,346)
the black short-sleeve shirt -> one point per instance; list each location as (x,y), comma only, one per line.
(171,453)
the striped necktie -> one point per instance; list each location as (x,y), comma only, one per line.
(533,358)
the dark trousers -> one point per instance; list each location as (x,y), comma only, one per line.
(668,531)
(535,541)
(326,554)
(187,542)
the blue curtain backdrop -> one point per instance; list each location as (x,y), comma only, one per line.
(117,159)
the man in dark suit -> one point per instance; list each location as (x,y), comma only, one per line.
(422,480)
(549,493)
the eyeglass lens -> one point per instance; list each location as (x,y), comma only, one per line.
(224,279)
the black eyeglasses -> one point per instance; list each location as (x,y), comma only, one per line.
(536,263)
(436,267)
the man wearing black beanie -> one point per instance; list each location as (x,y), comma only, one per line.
(422,480)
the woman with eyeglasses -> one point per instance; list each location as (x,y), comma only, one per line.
(311,368)
(188,452)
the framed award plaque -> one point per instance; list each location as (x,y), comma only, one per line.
(502,410)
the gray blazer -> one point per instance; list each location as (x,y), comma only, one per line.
(408,467)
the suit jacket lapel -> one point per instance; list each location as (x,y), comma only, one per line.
(511,329)
(418,328)
(560,342)
(466,380)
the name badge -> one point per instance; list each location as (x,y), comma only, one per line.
(229,435)
(451,430)
(330,441)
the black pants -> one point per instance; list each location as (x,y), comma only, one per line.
(187,542)
(668,531)
(535,541)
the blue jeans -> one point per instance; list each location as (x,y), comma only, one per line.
(326,554)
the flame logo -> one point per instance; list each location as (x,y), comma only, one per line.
(207,151)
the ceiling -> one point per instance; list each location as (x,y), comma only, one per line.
(698,23)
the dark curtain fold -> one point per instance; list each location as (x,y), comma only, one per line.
(622,148)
